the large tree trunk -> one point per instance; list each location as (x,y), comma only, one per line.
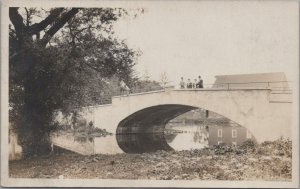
(34,124)
(34,117)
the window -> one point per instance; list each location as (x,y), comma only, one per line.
(234,133)
(234,144)
(219,132)
(248,135)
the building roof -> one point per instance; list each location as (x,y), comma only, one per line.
(257,77)
(261,80)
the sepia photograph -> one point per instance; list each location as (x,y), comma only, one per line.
(150,93)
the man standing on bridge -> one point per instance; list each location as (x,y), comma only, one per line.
(195,83)
(189,84)
(182,84)
(124,88)
(200,82)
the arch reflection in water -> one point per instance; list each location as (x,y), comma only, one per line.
(142,142)
(143,131)
(189,137)
(184,137)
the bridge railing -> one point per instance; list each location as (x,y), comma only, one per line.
(279,86)
(282,87)
(273,85)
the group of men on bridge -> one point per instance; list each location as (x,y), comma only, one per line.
(190,85)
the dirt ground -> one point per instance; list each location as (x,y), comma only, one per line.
(267,161)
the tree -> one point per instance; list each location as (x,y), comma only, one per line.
(146,76)
(140,86)
(60,62)
(164,79)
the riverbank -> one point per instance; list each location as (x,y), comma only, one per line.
(267,161)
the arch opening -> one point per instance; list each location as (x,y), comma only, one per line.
(152,119)
(149,129)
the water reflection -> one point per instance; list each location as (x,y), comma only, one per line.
(177,137)
(189,137)
(142,142)
(86,145)
(106,145)
(83,139)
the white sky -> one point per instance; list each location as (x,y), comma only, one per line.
(209,38)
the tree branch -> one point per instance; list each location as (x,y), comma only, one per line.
(38,35)
(27,17)
(81,30)
(92,67)
(59,24)
(17,21)
(37,27)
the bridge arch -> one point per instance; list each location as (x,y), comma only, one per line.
(250,108)
(245,107)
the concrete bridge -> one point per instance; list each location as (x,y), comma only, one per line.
(266,113)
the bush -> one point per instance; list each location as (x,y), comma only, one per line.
(248,146)
(222,149)
(280,147)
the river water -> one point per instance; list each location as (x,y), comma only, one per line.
(178,137)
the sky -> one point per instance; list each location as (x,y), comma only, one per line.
(208,38)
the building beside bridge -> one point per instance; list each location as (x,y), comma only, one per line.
(275,81)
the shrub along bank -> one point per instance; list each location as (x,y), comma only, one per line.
(250,161)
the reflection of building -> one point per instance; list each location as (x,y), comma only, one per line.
(230,135)
(201,135)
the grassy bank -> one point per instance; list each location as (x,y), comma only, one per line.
(266,161)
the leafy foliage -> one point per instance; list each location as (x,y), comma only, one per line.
(63,61)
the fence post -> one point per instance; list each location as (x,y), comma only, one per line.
(227,86)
